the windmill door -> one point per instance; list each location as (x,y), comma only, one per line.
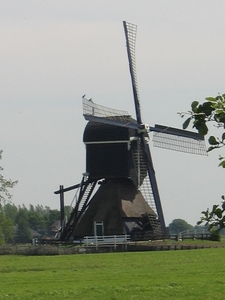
(98,228)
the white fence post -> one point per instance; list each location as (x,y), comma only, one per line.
(114,242)
(96,242)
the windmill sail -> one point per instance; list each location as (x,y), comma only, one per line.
(178,140)
(92,109)
(105,115)
(130,34)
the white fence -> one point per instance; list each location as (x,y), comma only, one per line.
(202,234)
(106,241)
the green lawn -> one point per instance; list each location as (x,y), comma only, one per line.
(191,274)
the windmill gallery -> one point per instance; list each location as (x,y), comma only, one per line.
(118,193)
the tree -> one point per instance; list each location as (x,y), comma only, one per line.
(67,211)
(5,184)
(210,111)
(179,225)
(6,225)
(6,229)
(36,221)
(23,230)
(201,115)
(10,210)
(52,216)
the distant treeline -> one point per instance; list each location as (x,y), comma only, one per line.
(19,224)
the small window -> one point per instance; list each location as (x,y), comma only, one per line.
(98,228)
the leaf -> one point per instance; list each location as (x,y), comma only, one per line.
(223,136)
(219,97)
(219,111)
(218,212)
(211,227)
(223,220)
(202,129)
(194,105)
(210,99)
(222,118)
(210,149)
(186,123)
(214,208)
(207,108)
(223,205)
(222,164)
(212,140)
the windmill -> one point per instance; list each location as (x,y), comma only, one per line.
(118,160)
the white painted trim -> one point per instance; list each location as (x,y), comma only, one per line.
(114,142)
(107,142)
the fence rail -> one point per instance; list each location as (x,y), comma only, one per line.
(202,234)
(106,241)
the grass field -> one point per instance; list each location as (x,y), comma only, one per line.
(187,274)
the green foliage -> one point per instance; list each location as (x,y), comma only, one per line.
(23,231)
(67,211)
(179,225)
(214,219)
(6,222)
(10,210)
(212,110)
(6,229)
(169,275)
(5,184)
(38,218)
(52,216)
(36,221)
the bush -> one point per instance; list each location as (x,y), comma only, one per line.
(216,237)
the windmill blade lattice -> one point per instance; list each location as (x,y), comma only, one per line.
(105,115)
(92,109)
(178,140)
(130,34)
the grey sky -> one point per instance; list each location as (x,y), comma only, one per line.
(53,52)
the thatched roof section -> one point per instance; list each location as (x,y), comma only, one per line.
(114,201)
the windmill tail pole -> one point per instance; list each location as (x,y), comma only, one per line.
(62,205)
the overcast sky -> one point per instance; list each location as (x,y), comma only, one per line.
(52,52)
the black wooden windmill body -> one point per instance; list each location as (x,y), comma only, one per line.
(118,157)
